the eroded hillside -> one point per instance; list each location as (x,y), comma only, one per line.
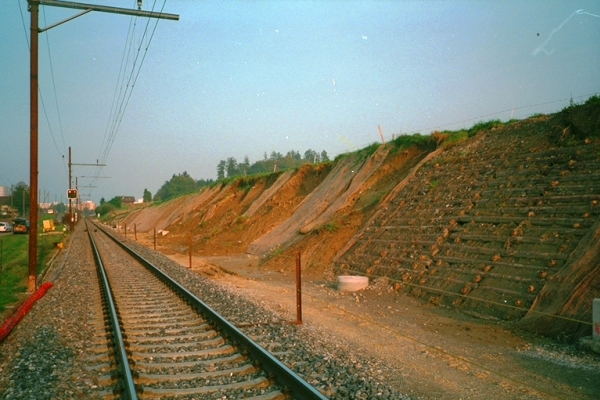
(501,225)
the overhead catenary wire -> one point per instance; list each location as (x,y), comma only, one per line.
(123,98)
(481,118)
(125,90)
(58,114)
(502,112)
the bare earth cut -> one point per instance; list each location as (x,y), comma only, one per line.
(472,247)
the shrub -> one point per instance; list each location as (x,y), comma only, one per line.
(594,100)
(329,227)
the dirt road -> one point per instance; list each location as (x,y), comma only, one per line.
(430,352)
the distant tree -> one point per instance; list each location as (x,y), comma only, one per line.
(60,208)
(294,155)
(221,170)
(116,201)
(20,197)
(231,167)
(244,166)
(273,162)
(311,156)
(102,201)
(204,182)
(147,196)
(178,185)
(103,209)
(260,167)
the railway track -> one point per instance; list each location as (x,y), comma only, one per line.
(169,344)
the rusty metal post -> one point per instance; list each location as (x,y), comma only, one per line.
(71,217)
(190,249)
(135,231)
(125,228)
(298,290)
(154,238)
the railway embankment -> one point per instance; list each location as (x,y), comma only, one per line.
(501,225)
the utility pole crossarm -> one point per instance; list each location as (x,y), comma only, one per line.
(89,165)
(113,10)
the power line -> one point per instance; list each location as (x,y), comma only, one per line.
(55,91)
(480,118)
(126,91)
(41,95)
(501,112)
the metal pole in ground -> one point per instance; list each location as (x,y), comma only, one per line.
(190,249)
(135,231)
(596,319)
(154,238)
(125,228)
(298,290)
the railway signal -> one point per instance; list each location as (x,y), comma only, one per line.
(72,194)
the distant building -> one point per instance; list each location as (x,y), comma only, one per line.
(4,196)
(127,199)
(88,205)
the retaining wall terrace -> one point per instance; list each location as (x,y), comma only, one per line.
(488,224)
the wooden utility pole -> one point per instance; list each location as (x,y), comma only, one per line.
(33,147)
(33,117)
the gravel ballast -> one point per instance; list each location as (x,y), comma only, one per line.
(47,355)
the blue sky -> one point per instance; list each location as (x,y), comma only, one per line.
(237,78)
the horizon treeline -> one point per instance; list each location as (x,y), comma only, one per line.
(183,183)
(274,162)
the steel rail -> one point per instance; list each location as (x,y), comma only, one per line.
(297,387)
(125,374)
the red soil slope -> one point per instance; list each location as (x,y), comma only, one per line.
(502,225)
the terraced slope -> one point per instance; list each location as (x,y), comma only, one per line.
(487,224)
(501,225)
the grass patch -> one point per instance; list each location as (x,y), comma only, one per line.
(376,200)
(14,264)
(246,183)
(241,219)
(417,140)
(361,154)
(276,252)
(328,227)
(482,126)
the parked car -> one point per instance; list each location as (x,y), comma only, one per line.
(21,225)
(5,227)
